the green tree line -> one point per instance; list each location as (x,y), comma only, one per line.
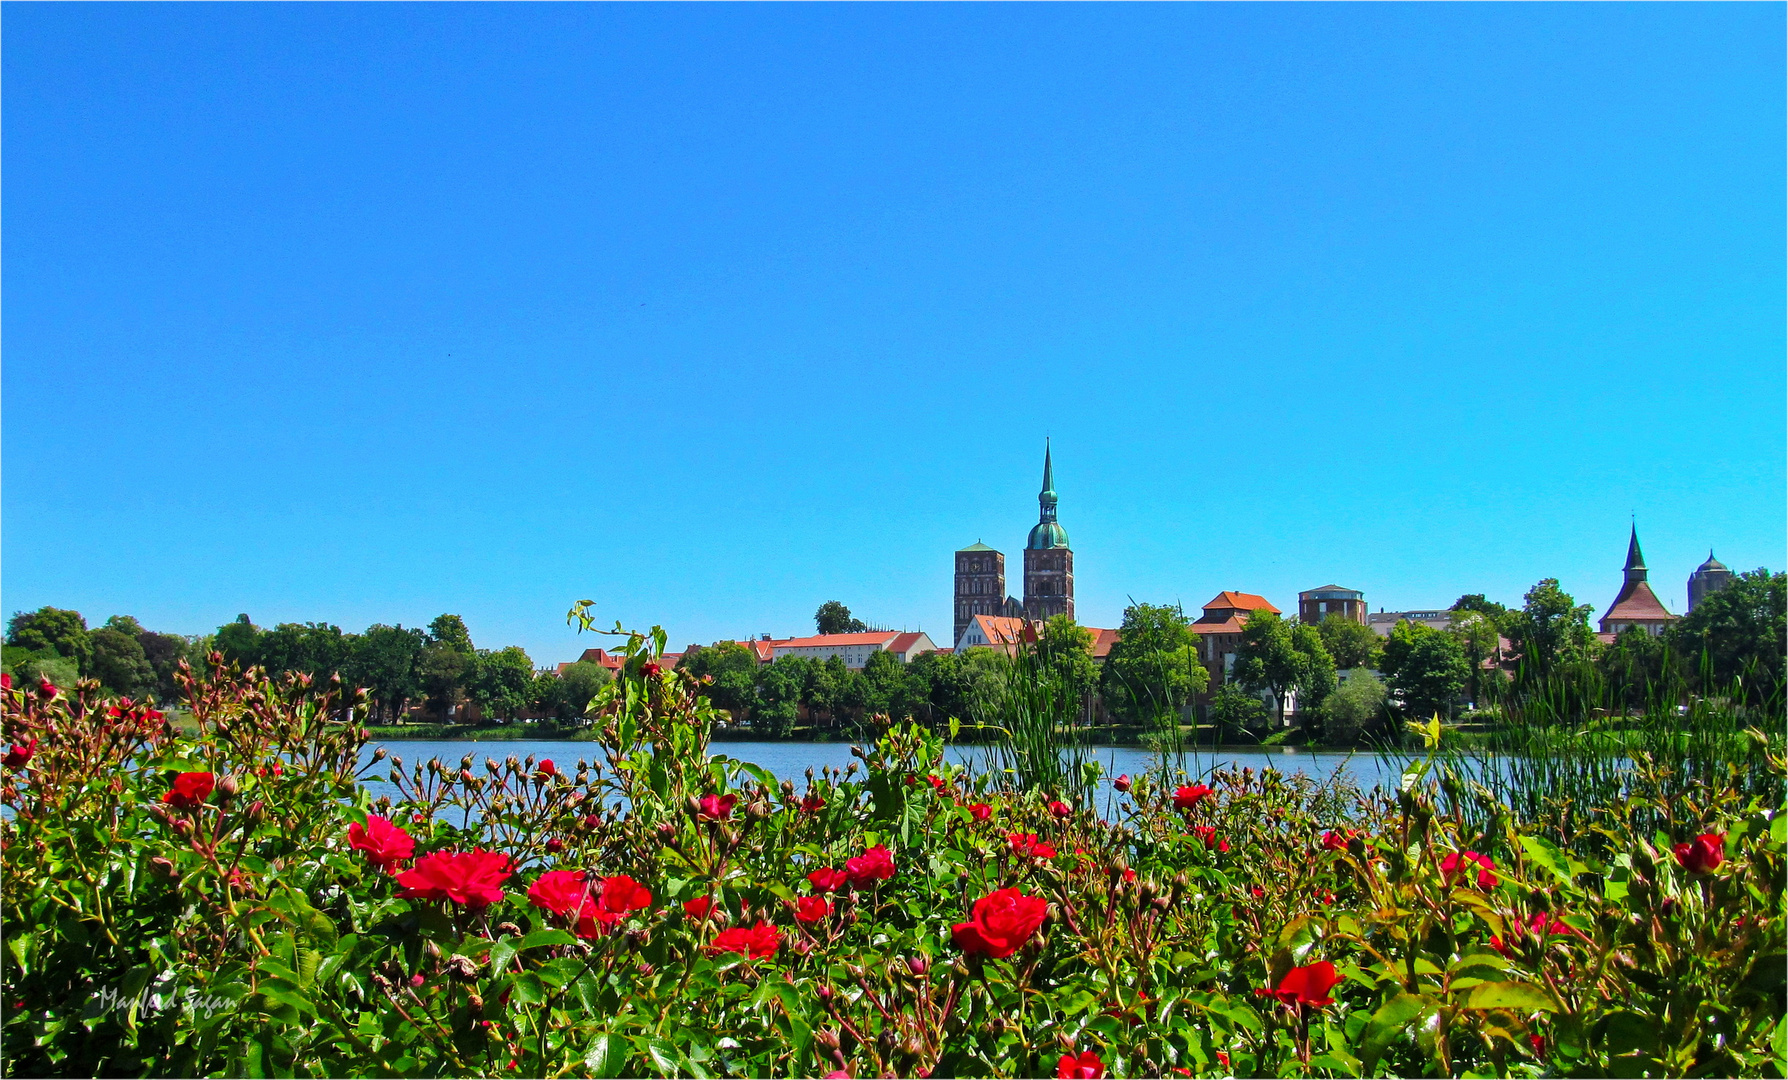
(437,667)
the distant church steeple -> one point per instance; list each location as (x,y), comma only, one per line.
(1048,561)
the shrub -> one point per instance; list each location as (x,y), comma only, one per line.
(235,902)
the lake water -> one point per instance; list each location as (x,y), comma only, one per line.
(791,760)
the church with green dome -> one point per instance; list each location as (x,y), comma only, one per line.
(1048,570)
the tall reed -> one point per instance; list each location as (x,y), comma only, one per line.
(1035,714)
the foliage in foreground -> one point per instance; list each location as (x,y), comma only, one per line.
(235,904)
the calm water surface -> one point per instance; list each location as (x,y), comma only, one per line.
(791,760)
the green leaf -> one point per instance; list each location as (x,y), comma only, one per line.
(605,1056)
(1778,831)
(1390,1021)
(542,938)
(1517,996)
(1547,854)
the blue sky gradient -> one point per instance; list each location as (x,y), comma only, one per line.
(710,314)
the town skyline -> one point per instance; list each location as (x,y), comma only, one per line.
(363,314)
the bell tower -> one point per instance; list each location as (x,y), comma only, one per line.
(1048,561)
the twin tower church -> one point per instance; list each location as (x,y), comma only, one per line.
(1048,570)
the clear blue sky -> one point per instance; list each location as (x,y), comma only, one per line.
(710,314)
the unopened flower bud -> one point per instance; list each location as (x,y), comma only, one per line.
(466,775)
(827,1039)
(757,811)
(228,786)
(463,967)
(1122,783)
(646,970)
(161,866)
(591,821)
(431,951)
(554,845)
(917,965)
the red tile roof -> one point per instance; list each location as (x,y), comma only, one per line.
(1218,626)
(1002,629)
(1103,640)
(904,643)
(874,637)
(1637,601)
(1242,600)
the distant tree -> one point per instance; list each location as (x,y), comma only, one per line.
(1476,602)
(501,681)
(31,667)
(1316,669)
(982,673)
(240,642)
(53,632)
(120,664)
(446,663)
(450,631)
(1477,633)
(1550,628)
(782,688)
(884,684)
(936,689)
(1350,644)
(733,669)
(1740,635)
(1234,710)
(1426,668)
(384,661)
(578,686)
(164,653)
(1355,708)
(1066,647)
(829,689)
(1633,666)
(315,649)
(834,618)
(1153,669)
(1277,657)
(126,624)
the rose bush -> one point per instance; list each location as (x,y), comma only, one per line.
(659,912)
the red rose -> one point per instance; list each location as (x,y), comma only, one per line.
(384,843)
(1456,864)
(756,943)
(1028,844)
(1540,924)
(472,878)
(617,897)
(20,755)
(5,681)
(1208,833)
(812,804)
(1308,985)
(937,783)
(48,688)
(546,769)
(1000,924)
(1061,809)
(1223,1058)
(1256,892)
(812,909)
(827,880)
(874,865)
(1186,797)
(1085,1067)
(698,908)
(716,807)
(1333,841)
(980,811)
(190,790)
(1703,854)
(650,670)
(561,892)
(1122,783)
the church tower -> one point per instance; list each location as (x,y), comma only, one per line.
(1048,561)
(980,585)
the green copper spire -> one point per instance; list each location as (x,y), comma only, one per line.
(1047,533)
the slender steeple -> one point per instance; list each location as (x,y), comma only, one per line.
(1046,497)
(1048,561)
(1635,560)
(1047,533)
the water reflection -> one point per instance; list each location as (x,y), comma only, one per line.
(791,760)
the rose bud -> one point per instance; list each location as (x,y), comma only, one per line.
(379,754)
(466,776)
(554,845)
(591,821)
(228,786)
(917,965)
(463,967)
(825,993)
(161,866)
(827,1039)
(1122,783)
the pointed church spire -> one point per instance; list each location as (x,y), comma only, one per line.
(1635,560)
(1048,472)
